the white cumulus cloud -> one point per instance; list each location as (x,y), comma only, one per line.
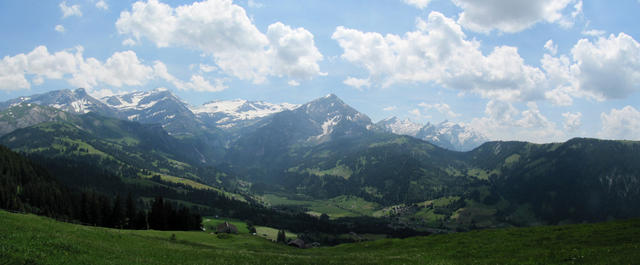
(621,124)
(357,83)
(68,11)
(608,68)
(439,52)
(551,47)
(223,30)
(505,122)
(600,69)
(59,28)
(207,68)
(443,108)
(119,70)
(196,83)
(593,32)
(421,4)
(254,4)
(102,5)
(572,121)
(129,42)
(512,16)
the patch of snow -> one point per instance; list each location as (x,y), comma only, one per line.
(236,110)
(402,127)
(80,106)
(327,126)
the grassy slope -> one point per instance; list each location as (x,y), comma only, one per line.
(341,206)
(38,240)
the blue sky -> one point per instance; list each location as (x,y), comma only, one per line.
(539,71)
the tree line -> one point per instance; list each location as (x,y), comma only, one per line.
(27,187)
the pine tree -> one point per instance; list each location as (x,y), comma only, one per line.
(282,237)
(117,215)
(157,217)
(130,212)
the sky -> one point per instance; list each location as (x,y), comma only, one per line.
(540,71)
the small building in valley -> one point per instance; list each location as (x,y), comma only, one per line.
(226,228)
(299,243)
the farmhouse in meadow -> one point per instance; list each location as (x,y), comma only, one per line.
(226,228)
(299,243)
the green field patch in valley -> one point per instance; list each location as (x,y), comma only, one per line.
(341,206)
(210,224)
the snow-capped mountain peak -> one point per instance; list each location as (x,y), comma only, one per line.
(155,106)
(139,100)
(451,135)
(74,101)
(398,126)
(447,134)
(228,113)
(330,112)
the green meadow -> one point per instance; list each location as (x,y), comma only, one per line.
(30,239)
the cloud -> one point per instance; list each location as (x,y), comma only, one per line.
(443,108)
(503,121)
(593,32)
(439,52)
(356,82)
(572,121)
(59,28)
(390,108)
(223,30)
(293,83)
(68,11)
(621,124)
(196,83)
(551,47)
(421,4)
(513,16)
(129,42)
(102,5)
(561,80)
(293,51)
(254,4)
(608,68)
(207,68)
(121,69)
(532,118)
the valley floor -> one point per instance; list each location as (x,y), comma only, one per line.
(30,239)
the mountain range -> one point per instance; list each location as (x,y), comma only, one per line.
(160,106)
(326,149)
(449,135)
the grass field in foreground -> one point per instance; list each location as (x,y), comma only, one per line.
(29,239)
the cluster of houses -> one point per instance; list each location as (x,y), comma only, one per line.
(228,228)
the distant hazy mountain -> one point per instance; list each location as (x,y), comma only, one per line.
(22,115)
(227,114)
(398,126)
(452,136)
(158,106)
(73,101)
(449,135)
